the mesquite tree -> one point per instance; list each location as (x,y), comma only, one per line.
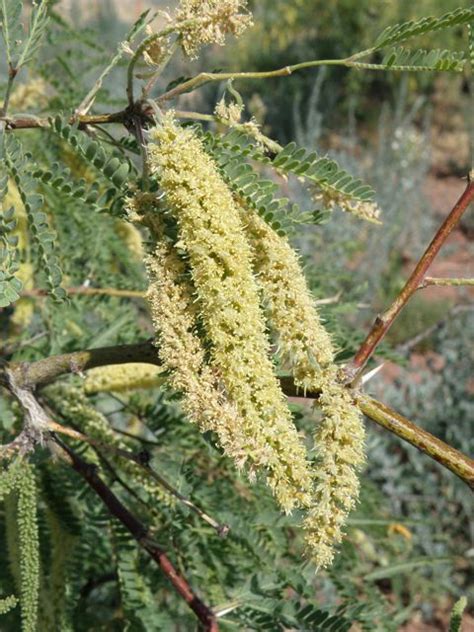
(95,208)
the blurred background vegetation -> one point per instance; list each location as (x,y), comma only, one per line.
(410,544)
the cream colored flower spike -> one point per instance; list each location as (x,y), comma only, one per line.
(303,341)
(213,237)
(123,377)
(202,22)
(305,344)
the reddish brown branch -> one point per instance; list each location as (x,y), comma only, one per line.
(383,323)
(140,533)
(141,460)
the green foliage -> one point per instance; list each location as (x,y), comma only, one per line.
(403,59)
(36,32)
(399,33)
(43,237)
(322,171)
(136,597)
(10,285)
(111,168)
(12,32)
(259,193)
(21,50)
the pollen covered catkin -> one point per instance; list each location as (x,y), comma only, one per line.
(213,238)
(181,351)
(307,347)
(121,378)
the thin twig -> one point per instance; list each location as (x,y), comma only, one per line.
(426,333)
(207,77)
(32,122)
(133,436)
(140,533)
(142,461)
(12,73)
(44,371)
(383,322)
(441,282)
(87,291)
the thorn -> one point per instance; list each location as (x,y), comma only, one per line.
(368,376)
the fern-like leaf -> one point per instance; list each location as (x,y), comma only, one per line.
(137,600)
(112,169)
(137,27)
(12,32)
(43,238)
(38,24)
(336,186)
(402,59)
(399,33)
(259,193)
(10,285)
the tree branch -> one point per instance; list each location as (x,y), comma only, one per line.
(44,371)
(32,122)
(446,455)
(383,323)
(87,291)
(444,282)
(140,533)
(141,460)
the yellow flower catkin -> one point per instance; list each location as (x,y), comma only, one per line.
(180,349)
(202,22)
(29,547)
(306,345)
(131,237)
(123,377)
(173,310)
(212,236)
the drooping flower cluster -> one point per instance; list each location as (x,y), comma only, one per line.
(202,22)
(307,347)
(213,238)
(339,441)
(28,538)
(19,478)
(305,344)
(123,377)
(7,604)
(207,277)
